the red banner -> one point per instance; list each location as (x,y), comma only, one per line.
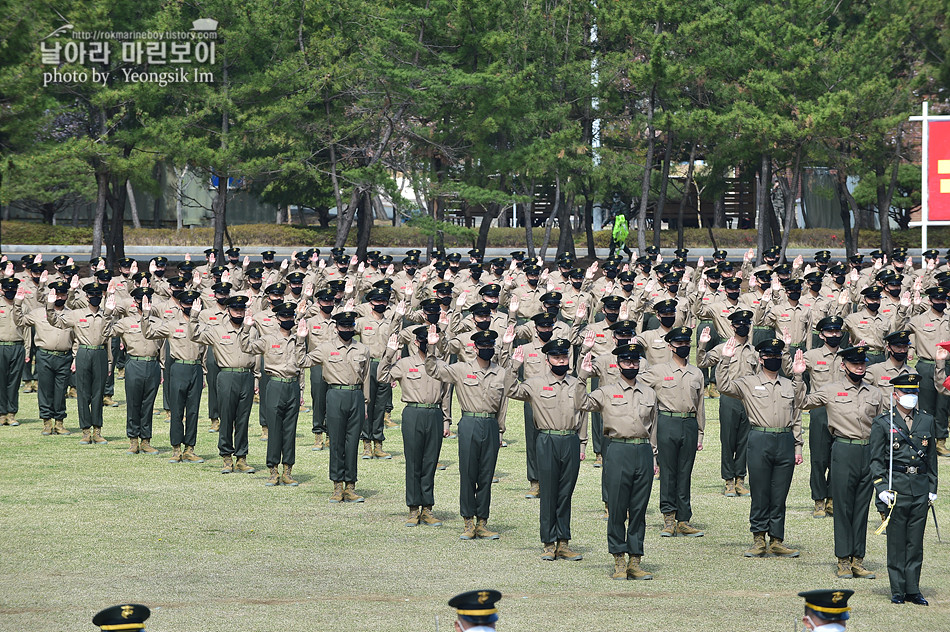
(938,174)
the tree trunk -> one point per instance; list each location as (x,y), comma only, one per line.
(763,240)
(844,203)
(364,223)
(345,221)
(789,193)
(549,222)
(102,190)
(719,211)
(179,196)
(664,185)
(647,172)
(589,225)
(490,214)
(687,187)
(219,207)
(115,249)
(885,195)
(565,241)
(133,207)
(528,209)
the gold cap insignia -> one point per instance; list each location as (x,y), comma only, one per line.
(482,596)
(127,611)
(837,596)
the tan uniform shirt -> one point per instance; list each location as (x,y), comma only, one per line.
(679,389)
(851,408)
(88,327)
(928,329)
(478,390)
(344,363)
(603,337)
(178,329)
(791,317)
(554,402)
(46,336)
(374,333)
(224,340)
(629,412)
(746,356)
(863,325)
(656,350)
(133,336)
(718,312)
(606,369)
(824,366)
(535,361)
(9,332)
(418,387)
(283,355)
(882,373)
(769,403)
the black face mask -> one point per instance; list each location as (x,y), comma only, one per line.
(342,269)
(482,324)
(611,274)
(186,309)
(423,345)
(379,309)
(60,302)
(545,335)
(269,264)
(455,269)
(221,301)
(257,285)
(939,307)
(673,289)
(770,260)
(446,300)
(476,275)
(873,307)
(559,369)
(742,330)
(815,287)
(286,325)
(493,303)
(772,364)
(732,296)
(611,317)
(682,352)
(833,341)
(714,286)
(645,270)
(900,357)
(839,280)
(854,377)
(296,289)
(35,279)
(622,341)
(629,373)
(667,321)
(95,301)
(326,309)
(627,287)
(577,284)
(233,262)
(794,296)
(894,293)
(410,271)
(432,317)
(276,301)
(552,309)
(9,294)
(159,272)
(533,282)
(346,336)
(237,320)
(486,354)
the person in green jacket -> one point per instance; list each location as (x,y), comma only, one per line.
(618,238)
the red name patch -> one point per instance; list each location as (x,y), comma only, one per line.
(134,327)
(822,362)
(668,378)
(618,396)
(612,366)
(598,335)
(413,370)
(886,378)
(333,353)
(863,322)
(547,388)
(532,355)
(784,315)
(225,337)
(83,320)
(179,331)
(472,377)
(212,318)
(275,346)
(842,394)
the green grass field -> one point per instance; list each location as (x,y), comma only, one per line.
(85,527)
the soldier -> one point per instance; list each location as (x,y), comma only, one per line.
(321,327)
(374,331)
(480,385)
(12,353)
(561,440)
(826,610)
(184,370)
(852,403)
(476,610)
(681,421)
(124,617)
(346,371)
(235,382)
(869,325)
(904,470)
(773,404)
(927,329)
(282,353)
(629,408)
(142,373)
(423,426)
(897,345)
(213,312)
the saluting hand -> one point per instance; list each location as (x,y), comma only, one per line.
(348,307)
(753,282)
(110,302)
(44,277)
(590,271)
(588,340)
(74,282)
(393,344)
(509,336)
(799,260)
(462,299)
(701,263)
(518,355)
(581,312)
(705,336)
(905,299)
(248,319)
(433,337)
(798,366)
(51,297)
(146,304)
(444,319)
(587,363)
(246,262)
(843,297)
(942,354)
(8,269)
(786,336)
(302,328)
(513,305)
(624,311)
(729,349)
(401,308)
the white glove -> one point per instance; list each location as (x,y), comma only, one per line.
(887,498)
(932,498)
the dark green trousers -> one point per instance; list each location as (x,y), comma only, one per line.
(874,357)
(559,461)
(11,370)
(184,392)
(709,374)
(235,397)
(262,383)
(52,380)
(380,393)
(734,437)
(530,443)
(759,334)
(28,368)
(318,393)
(345,413)
(852,490)
(141,387)
(282,403)
(478,452)
(112,356)
(819,454)
(92,369)
(905,543)
(676,440)
(628,472)
(166,375)
(596,433)
(211,365)
(422,442)
(771,467)
(932,402)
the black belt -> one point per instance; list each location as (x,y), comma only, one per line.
(911,469)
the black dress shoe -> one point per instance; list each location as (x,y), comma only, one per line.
(917,599)
(897,598)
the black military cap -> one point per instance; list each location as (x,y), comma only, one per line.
(475,252)
(372,254)
(774,250)
(218,270)
(140,276)
(209,251)
(35,267)
(268,254)
(933,253)
(822,256)
(773,345)
(726,266)
(413,253)
(670,278)
(679,334)
(814,276)
(856,354)
(644,261)
(906,382)
(341,260)
(876,254)
(830,605)
(763,275)
(936,292)
(518,255)
(883,275)
(445,287)
(838,268)
(126,262)
(124,617)
(678,262)
(665,307)
(438,253)
(255,272)
(238,302)
(477,606)
(186,296)
(629,352)
(303,255)
(492,289)
(720,254)
(160,262)
(177,282)
(60,260)
(276,289)
(104,275)
(91,289)
(441,266)
(743,316)
(792,285)
(898,337)
(662,269)
(233,251)
(139,292)
(29,259)
(942,276)
(378,294)
(345,318)
(681,252)
(9,283)
(475,266)
(454,257)
(611,302)
(296,278)
(186,266)
(532,269)
(485,339)
(652,250)
(384,260)
(72,270)
(551,297)
(783,268)
(627,276)
(576,273)
(623,326)
(285,309)
(894,279)
(60,287)
(856,258)
(559,346)
(732,283)
(338,251)
(712,273)
(872,291)
(499,262)
(899,251)
(544,320)
(222,288)
(481,308)
(326,294)
(431,305)
(830,323)
(410,259)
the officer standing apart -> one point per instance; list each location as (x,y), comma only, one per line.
(773,403)
(629,409)
(476,610)
(560,444)
(907,484)
(481,385)
(826,610)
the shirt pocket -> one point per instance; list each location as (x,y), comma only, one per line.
(227,339)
